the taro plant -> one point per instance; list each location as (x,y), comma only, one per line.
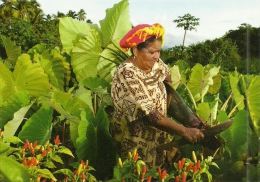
(67,92)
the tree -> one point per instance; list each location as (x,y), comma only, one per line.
(81,15)
(72,14)
(188,22)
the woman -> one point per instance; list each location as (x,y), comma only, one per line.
(140,100)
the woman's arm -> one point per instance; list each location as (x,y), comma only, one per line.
(193,135)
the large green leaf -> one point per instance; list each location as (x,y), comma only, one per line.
(26,77)
(116,24)
(200,80)
(95,143)
(236,135)
(70,107)
(13,104)
(71,31)
(53,64)
(11,170)
(12,50)
(38,127)
(203,110)
(238,97)
(175,76)
(85,55)
(6,79)
(12,126)
(253,102)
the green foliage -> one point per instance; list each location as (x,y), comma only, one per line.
(47,90)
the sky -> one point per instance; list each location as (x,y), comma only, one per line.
(216,17)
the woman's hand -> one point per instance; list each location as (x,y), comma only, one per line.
(193,135)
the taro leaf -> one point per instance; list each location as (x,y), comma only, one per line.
(38,127)
(85,56)
(99,86)
(175,76)
(53,67)
(236,135)
(85,95)
(253,102)
(11,170)
(237,96)
(95,143)
(222,116)
(203,110)
(12,50)
(213,89)
(71,31)
(3,147)
(95,82)
(26,76)
(116,24)
(58,70)
(6,79)
(12,105)
(11,127)
(70,107)
(200,80)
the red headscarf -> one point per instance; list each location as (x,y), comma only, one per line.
(141,33)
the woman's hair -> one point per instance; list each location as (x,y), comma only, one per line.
(146,43)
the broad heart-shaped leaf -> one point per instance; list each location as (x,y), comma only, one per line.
(12,50)
(11,170)
(85,55)
(236,135)
(70,107)
(200,80)
(13,104)
(26,77)
(95,82)
(203,110)
(253,102)
(116,24)
(6,79)
(38,127)
(53,64)
(11,127)
(238,97)
(95,143)
(176,76)
(71,31)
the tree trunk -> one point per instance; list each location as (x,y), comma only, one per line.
(184,37)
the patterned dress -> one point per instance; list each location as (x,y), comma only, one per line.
(139,100)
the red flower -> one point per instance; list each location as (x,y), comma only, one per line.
(159,171)
(194,169)
(44,153)
(177,179)
(35,144)
(179,165)
(57,140)
(149,179)
(144,169)
(182,162)
(164,172)
(198,164)
(184,176)
(136,157)
(189,167)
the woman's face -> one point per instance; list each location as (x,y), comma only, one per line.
(147,57)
